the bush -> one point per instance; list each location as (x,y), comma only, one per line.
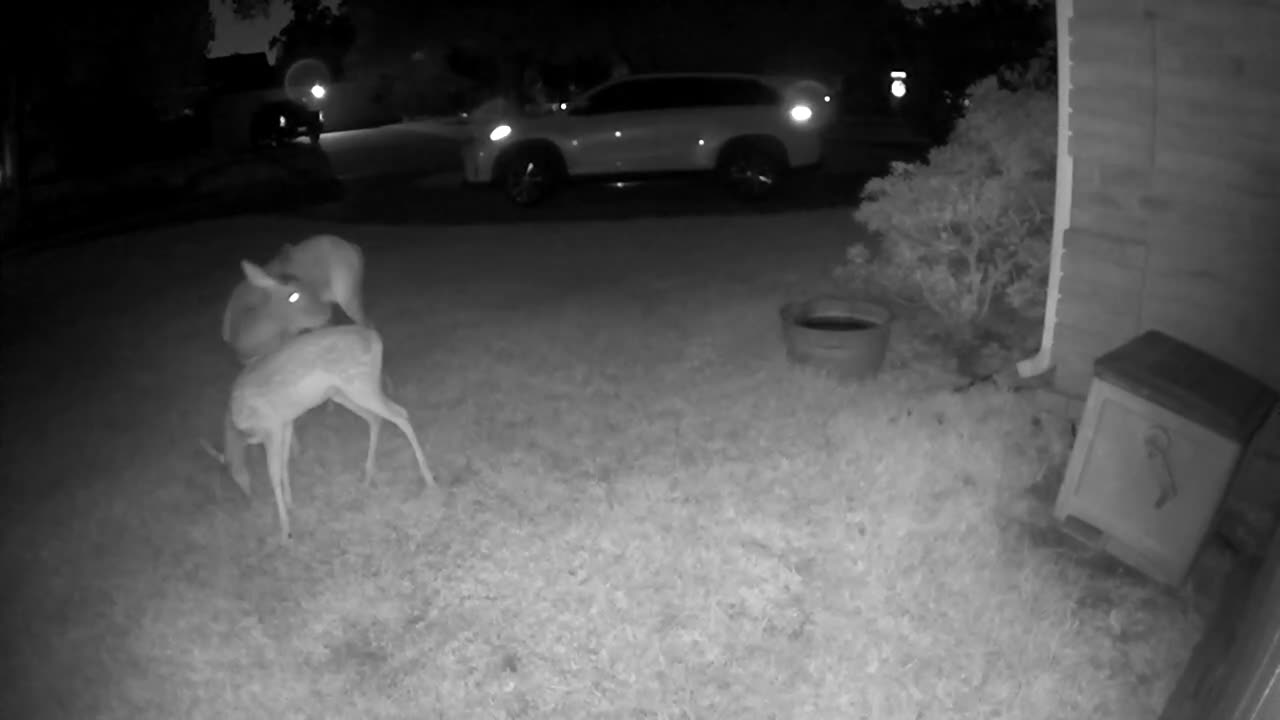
(970,226)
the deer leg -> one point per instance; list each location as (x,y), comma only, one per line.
(295,446)
(375,402)
(285,483)
(233,453)
(277,459)
(400,418)
(375,427)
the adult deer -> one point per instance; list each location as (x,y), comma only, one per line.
(326,267)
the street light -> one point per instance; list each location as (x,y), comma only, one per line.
(898,88)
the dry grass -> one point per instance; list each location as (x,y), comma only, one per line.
(645,512)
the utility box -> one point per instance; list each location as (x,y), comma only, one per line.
(1164,427)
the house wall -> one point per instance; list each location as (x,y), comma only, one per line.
(1175,215)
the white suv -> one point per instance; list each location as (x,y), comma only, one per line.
(748,129)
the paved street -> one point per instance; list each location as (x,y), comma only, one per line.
(410,174)
(393,150)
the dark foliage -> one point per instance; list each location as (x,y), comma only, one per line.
(316,31)
(99,93)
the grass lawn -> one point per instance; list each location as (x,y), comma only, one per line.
(644,511)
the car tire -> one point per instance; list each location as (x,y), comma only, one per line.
(751,170)
(531,175)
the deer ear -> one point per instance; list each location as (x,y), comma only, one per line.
(257,276)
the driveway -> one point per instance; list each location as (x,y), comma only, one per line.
(406,149)
(410,173)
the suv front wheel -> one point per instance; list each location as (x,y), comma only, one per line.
(751,170)
(531,175)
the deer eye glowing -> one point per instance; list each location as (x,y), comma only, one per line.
(293,297)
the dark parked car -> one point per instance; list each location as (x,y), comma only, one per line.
(281,121)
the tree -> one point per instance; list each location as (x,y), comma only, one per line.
(107,61)
(315,31)
(970,38)
(143,48)
(248,9)
(969,228)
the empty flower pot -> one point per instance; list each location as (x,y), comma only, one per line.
(845,337)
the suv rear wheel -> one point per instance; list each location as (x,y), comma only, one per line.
(751,169)
(531,175)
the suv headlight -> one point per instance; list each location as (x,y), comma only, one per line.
(499,132)
(801,113)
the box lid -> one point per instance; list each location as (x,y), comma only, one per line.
(1190,382)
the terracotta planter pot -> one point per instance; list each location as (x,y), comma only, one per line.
(845,337)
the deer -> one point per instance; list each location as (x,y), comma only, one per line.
(266,309)
(330,269)
(294,293)
(342,363)
(332,266)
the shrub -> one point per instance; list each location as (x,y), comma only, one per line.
(970,226)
